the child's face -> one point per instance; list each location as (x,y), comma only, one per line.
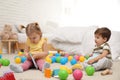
(99,40)
(34,38)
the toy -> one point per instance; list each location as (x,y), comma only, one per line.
(23,59)
(48,59)
(77,74)
(7,33)
(0,56)
(1,61)
(47,72)
(90,70)
(58,59)
(17,60)
(63,61)
(87,56)
(82,59)
(63,74)
(77,66)
(6,62)
(53,59)
(70,58)
(55,72)
(73,61)
(8,76)
(76,57)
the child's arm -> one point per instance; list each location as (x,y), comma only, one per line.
(104,54)
(42,54)
(26,52)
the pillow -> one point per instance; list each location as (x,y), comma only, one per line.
(69,34)
(115,44)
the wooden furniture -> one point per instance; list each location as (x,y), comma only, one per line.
(9,42)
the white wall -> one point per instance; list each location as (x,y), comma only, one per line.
(26,11)
(93,12)
(63,12)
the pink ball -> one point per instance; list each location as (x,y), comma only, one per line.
(66,55)
(76,57)
(77,74)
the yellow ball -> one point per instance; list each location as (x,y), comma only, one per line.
(69,71)
(48,60)
(18,60)
(70,58)
(20,53)
(63,68)
(82,59)
(0,51)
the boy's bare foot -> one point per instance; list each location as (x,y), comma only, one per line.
(106,72)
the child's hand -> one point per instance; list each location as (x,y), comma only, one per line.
(28,56)
(91,61)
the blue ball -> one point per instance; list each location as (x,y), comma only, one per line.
(53,59)
(66,59)
(23,59)
(63,61)
(0,56)
(73,61)
(57,54)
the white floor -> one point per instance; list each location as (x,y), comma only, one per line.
(38,75)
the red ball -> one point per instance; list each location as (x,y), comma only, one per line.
(77,74)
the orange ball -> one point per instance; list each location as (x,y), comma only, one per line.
(82,59)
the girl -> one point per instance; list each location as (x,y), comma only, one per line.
(37,46)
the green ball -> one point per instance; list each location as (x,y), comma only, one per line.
(63,74)
(58,59)
(6,62)
(1,61)
(87,56)
(90,70)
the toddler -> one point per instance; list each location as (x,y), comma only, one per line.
(101,56)
(37,46)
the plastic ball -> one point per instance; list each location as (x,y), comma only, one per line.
(23,59)
(1,61)
(53,59)
(90,70)
(87,56)
(0,56)
(57,54)
(70,58)
(63,74)
(73,61)
(66,55)
(20,53)
(58,59)
(48,60)
(76,57)
(63,61)
(63,67)
(82,59)
(6,62)
(17,60)
(77,74)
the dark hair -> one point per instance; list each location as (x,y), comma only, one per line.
(33,27)
(104,32)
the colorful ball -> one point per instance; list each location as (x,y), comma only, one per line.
(17,60)
(1,61)
(6,62)
(70,58)
(58,59)
(87,56)
(23,59)
(63,74)
(73,61)
(77,74)
(82,59)
(76,57)
(63,61)
(53,59)
(90,70)
(48,60)
(57,54)
(0,56)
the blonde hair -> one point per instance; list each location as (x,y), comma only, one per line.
(33,28)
